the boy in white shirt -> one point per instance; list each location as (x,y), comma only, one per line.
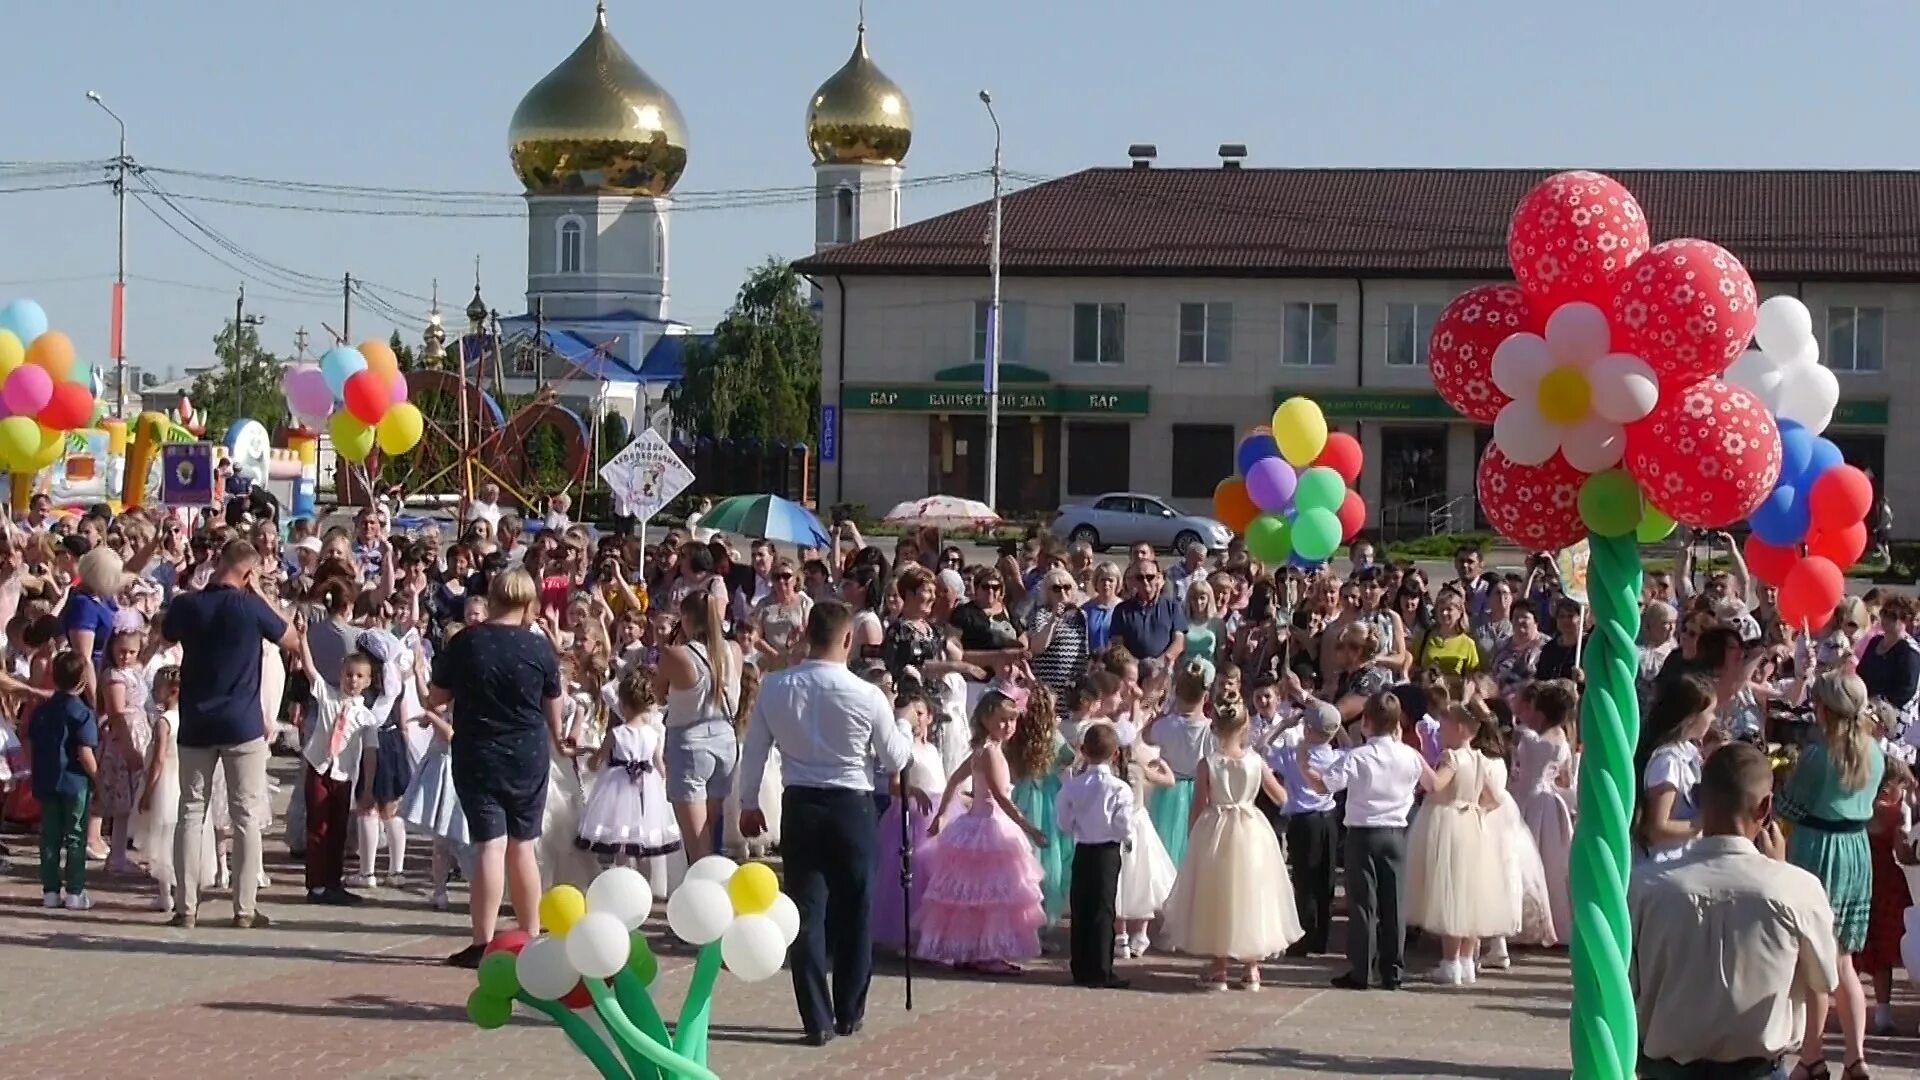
(1380,779)
(1095,808)
(338,751)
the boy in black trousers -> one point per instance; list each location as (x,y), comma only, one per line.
(1095,808)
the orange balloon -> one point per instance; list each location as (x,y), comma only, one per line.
(380,360)
(53,351)
(1232,505)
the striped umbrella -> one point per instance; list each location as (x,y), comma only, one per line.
(767,517)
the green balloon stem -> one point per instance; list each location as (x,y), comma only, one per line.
(635,1042)
(582,1034)
(690,1034)
(638,1004)
(1604,1029)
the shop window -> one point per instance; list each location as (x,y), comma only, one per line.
(1098,458)
(1202,454)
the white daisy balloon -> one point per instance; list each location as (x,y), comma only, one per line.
(1571,395)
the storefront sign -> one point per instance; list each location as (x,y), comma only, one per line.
(1071,400)
(1861,413)
(829,432)
(1386,405)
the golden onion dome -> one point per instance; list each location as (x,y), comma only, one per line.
(859,116)
(597,124)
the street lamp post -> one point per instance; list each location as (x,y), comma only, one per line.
(993,319)
(121,165)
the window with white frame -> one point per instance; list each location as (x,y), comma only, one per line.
(1409,330)
(1013,329)
(1100,334)
(1856,339)
(843,216)
(570,246)
(1312,332)
(1206,333)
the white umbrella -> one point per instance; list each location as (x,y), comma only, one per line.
(943,512)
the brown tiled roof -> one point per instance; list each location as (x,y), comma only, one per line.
(1832,225)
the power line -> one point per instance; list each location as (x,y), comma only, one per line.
(245,274)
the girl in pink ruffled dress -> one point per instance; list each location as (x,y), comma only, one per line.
(983,902)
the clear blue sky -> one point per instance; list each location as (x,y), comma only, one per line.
(418,93)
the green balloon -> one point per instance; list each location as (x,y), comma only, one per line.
(1316,533)
(641,961)
(498,976)
(1320,488)
(488,1011)
(1654,527)
(1269,538)
(1610,503)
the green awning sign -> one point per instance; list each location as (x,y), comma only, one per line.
(1025,400)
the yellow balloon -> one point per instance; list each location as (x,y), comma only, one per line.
(1300,430)
(52,445)
(1564,395)
(561,908)
(400,429)
(12,352)
(19,441)
(352,439)
(752,889)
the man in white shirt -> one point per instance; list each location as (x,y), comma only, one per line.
(1380,779)
(1096,810)
(487,507)
(832,727)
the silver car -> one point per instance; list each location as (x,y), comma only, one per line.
(1125,518)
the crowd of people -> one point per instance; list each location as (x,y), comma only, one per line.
(953,760)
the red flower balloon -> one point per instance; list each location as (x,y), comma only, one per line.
(1535,506)
(70,407)
(1842,546)
(1342,455)
(1460,355)
(1353,516)
(1770,563)
(1840,497)
(1706,455)
(1572,235)
(1687,309)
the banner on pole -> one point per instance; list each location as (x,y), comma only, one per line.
(646,476)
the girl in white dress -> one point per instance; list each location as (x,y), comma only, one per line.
(1668,762)
(432,806)
(1542,785)
(1456,887)
(1147,873)
(159,809)
(627,815)
(1530,909)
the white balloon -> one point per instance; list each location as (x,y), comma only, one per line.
(787,915)
(712,868)
(1781,324)
(624,893)
(597,945)
(1519,363)
(1759,374)
(1593,444)
(1808,395)
(1624,387)
(1806,354)
(1524,435)
(753,947)
(699,911)
(1577,333)
(544,969)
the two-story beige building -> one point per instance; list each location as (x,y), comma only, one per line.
(1151,316)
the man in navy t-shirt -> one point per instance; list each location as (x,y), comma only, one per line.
(1149,622)
(220,630)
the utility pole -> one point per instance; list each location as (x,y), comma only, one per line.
(993,320)
(300,344)
(346,309)
(241,320)
(120,166)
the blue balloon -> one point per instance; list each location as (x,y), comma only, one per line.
(1825,456)
(1252,449)
(1782,517)
(340,364)
(25,318)
(1796,450)
(1305,564)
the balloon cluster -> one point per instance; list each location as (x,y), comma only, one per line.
(1783,368)
(359,396)
(1292,499)
(1811,527)
(594,956)
(44,393)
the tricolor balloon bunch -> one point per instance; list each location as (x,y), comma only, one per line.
(1601,372)
(593,955)
(1291,499)
(44,393)
(360,396)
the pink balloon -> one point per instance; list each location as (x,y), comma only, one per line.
(398,388)
(307,392)
(27,390)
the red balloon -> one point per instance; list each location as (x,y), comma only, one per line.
(1687,309)
(1706,456)
(1535,506)
(1572,235)
(1840,497)
(1460,354)
(1770,563)
(70,407)
(508,941)
(366,397)
(1842,546)
(577,998)
(1233,506)
(1342,455)
(1352,515)
(1815,585)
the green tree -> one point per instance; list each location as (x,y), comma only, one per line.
(759,376)
(408,356)
(261,396)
